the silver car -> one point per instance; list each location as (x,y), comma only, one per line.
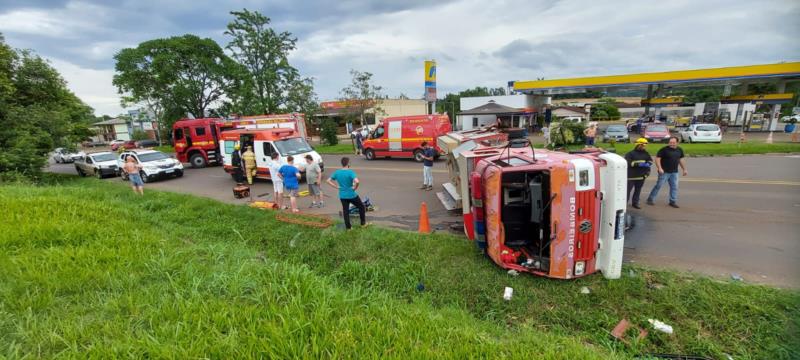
(99,164)
(62,155)
(618,133)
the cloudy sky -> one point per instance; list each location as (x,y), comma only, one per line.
(475,43)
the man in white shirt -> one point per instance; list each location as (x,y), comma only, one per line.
(277,182)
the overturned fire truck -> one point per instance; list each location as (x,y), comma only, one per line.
(554,214)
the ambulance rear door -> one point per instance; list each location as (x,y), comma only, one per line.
(395,135)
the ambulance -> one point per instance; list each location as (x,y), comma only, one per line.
(283,141)
(402,136)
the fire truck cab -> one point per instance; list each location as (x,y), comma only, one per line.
(553,214)
(197,141)
(402,136)
(265,142)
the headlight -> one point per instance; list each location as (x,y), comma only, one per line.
(580,267)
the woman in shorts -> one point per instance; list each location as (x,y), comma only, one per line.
(132,168)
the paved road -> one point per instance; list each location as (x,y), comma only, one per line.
(738,214)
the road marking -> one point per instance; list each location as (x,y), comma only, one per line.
(741,181)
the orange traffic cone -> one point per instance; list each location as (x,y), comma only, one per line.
(769,138)
(424,224)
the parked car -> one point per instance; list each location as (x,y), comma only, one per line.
(62,155)
(702,133)
(146,143)
(573,119)
(656,133)
(93,143)
(113,142)
(100,164)
(129,144)
(155,164)
(618,133)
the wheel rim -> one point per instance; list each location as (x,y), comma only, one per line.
(418,156)
(370,155)
(143,176)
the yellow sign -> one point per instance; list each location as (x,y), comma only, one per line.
(430,73)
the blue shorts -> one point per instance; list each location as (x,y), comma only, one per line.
(589,141)
(136,180)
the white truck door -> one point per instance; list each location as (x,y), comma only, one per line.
(396,135)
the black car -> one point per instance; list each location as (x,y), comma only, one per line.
(146,143)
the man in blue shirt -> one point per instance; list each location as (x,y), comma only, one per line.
(428,154)
(290,176)
(347,183)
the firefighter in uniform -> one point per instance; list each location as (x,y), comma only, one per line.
(639,163)
(249,158)
(236,162)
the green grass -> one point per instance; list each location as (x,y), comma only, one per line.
(718,149)
(165,148)
(723,149)
(90,270)
(340,148)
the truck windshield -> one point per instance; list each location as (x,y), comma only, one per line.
(292,146)
(104,157)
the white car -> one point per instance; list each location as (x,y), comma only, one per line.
(62,155)
(701,133)
(155,164)
(795,117)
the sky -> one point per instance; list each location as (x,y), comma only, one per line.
(475,43)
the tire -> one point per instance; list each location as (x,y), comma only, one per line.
(179,174)
(80,172)
(57,160)
(198,161)
(99,174)
(369,154)
(144,177)
(418,155)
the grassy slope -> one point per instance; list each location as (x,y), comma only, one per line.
(340,148)
(88,267)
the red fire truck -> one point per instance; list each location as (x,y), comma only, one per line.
(197,141)
(402,136)
(554,214)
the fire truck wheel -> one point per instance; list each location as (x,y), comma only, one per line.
(418,155)
(369,154)
(197,161)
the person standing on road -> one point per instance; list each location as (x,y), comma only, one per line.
(359,138)
(290,176)
(314,180)
(428,153)
(249,158)
(347,183)
(132,168)
(236,162)
(639,163)
(590,133)
(277,182)
(668,159)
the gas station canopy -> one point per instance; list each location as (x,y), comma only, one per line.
(789,71)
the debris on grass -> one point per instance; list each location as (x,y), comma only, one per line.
(508,293)
(660,326)
(420,287)
(513,272)
(585,290)
(736,277)
(622,326)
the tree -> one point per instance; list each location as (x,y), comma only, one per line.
(605,109)
(177,75)
(451,104)
(37,112)
(361,95)
(266,82)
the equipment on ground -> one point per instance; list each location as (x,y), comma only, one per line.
(241,191)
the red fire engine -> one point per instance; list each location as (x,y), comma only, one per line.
(402,136)
(555,214)
(197,141)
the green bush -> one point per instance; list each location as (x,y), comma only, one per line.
(139,135)
(566,133)
(328,133)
